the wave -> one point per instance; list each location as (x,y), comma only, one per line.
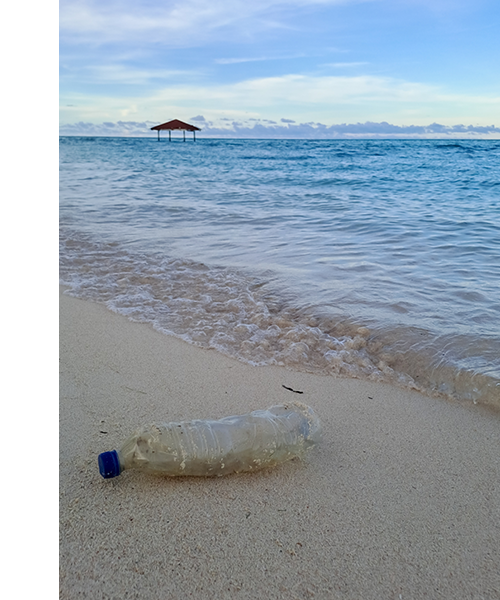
(247,316)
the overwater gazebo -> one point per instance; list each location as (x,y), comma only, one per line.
(176,125)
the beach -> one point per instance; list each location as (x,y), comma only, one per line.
(400,500)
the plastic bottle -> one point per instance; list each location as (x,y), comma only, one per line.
(241,443)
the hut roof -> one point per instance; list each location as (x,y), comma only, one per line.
(176,124)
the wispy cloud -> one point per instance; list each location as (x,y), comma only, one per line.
(308,90)
(232,61)
(322,98)
(122,74)
(345,65)
(174,23)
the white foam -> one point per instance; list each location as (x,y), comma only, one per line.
(235,314)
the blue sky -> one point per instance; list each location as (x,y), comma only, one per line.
(299,68)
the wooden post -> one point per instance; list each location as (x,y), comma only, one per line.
(169,135)
(158,135)
(194,135)
(184,134)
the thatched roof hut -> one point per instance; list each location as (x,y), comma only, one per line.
(176,125)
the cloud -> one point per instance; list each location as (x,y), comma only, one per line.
(304,97)
(233,61)
(345,65)
(306,90)
(258,130)
(109,129)
(185,23)
(121,74)
(368,129)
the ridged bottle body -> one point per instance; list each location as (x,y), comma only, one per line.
(230,445)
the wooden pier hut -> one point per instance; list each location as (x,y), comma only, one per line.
(176,125)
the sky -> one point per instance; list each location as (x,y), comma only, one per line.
(271,68)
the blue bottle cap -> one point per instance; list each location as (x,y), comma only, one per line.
(109,464)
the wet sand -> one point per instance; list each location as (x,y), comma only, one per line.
(401,499)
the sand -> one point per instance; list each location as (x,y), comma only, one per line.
(401,499)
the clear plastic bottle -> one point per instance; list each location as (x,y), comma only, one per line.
(206,448)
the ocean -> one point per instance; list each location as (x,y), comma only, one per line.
(373,259)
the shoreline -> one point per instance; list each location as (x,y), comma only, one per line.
(399,501)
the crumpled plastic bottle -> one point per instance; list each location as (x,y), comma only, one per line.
(248,442)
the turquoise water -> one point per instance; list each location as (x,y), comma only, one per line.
(372,259)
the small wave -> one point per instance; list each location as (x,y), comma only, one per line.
(244,317)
